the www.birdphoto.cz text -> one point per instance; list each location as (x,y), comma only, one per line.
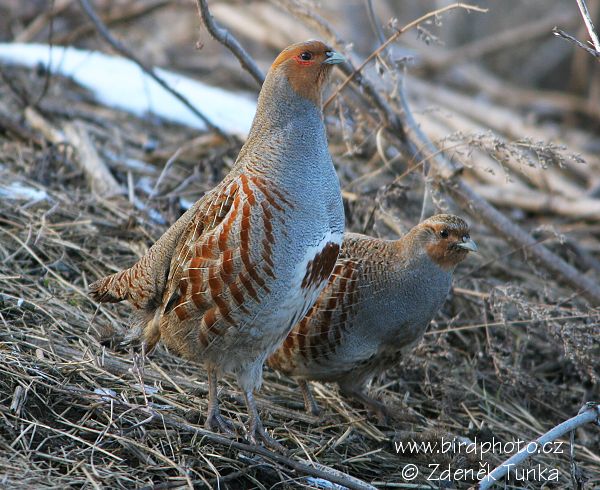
(480,448)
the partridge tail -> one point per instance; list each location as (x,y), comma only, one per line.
(143,283)
(122,286)
(110,289)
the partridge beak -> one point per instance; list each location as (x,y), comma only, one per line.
(333,58)
(468,245)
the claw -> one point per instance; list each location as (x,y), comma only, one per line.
(256,431)
(260,433)
(216,422)
(214,419)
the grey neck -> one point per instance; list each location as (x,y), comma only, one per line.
(286,125)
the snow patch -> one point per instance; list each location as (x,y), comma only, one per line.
(120,83)
(18,191)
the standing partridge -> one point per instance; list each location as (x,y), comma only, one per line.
(380,298)
(228,281)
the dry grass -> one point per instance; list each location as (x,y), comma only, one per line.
(512,353)
(509,356)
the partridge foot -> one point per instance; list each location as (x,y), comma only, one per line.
(374,406)
(256,431)
(214,419)
(216,422)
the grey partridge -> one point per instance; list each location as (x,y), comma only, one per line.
(227,282)
(380,298)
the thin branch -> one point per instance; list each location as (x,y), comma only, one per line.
(590,413)
(406,136)
(377,30)
(560,33)
(123,50)
(495,42)
(223,36)
(128,13)
(588,24)
(47,75)
(330,474)
(395,36)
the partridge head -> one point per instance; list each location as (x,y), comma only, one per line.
(226,282)
(380,298)
(306,67)
(444,238)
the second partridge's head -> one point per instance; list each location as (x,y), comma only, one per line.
(306,66)
(445,238)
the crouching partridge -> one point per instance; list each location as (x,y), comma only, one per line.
(227,282)
(380,298)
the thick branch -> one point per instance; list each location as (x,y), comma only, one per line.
(589,413)
(223,36)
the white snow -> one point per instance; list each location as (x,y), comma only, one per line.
(20,192)
(120,83)
(326,484)
(106,394)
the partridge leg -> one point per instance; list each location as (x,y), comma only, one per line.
(255,426)
(214,419)
(374,406)
(310,404)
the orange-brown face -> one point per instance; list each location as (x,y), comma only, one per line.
(307,65)
(448,241)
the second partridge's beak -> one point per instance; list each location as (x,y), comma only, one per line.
(468,244)
(333,58)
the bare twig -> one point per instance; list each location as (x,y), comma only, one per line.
(560,33)
(47,75)
(588,24)
(223,36)
(588,414)
(590,28)
(494,43)
(128,13)
(322,471)
(395,36)
(119,47)
(406,136)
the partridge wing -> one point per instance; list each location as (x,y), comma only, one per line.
(222,266)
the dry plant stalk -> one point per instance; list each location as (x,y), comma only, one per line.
(589,25)
(419,147)
(76,410)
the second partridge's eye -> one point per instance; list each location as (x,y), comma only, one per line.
(444,233)
(306,56)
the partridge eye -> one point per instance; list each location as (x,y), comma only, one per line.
(444,233)
(306,56)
